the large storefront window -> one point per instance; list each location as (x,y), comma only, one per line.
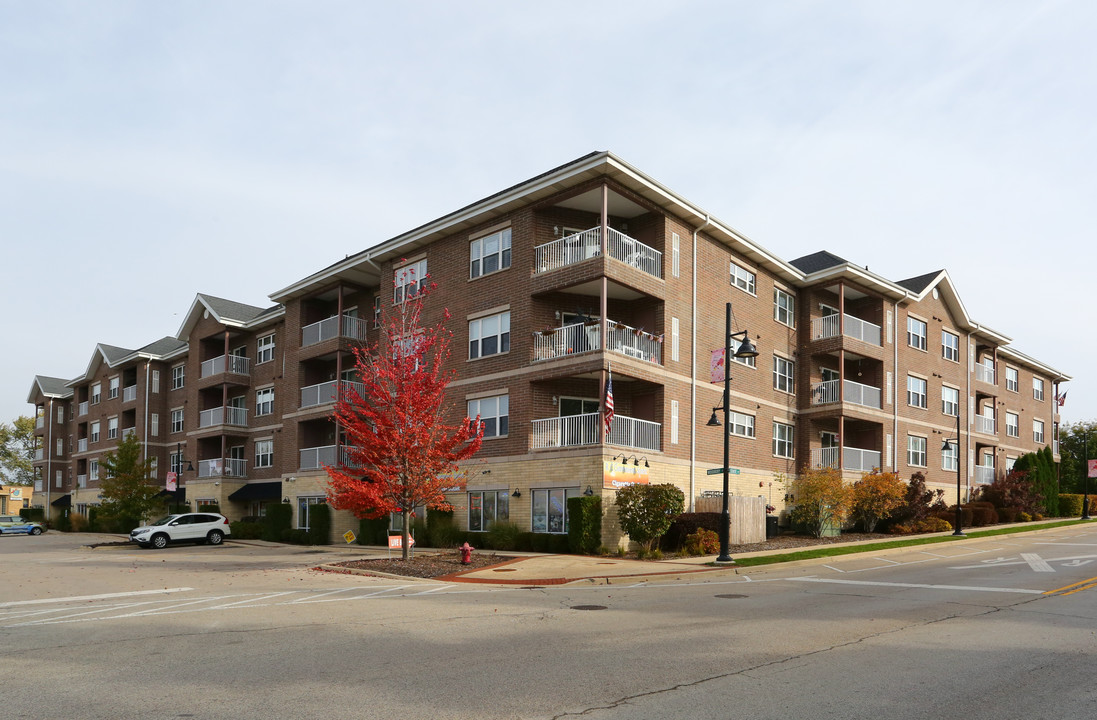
(550,509)
(304,505)
(486,507)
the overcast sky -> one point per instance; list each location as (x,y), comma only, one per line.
(153,150)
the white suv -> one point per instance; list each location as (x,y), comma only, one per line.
(188,527)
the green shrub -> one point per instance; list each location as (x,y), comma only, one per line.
(539,542)
(642,552)
(982,514)
(93,519)
(295,536)
(925,525)
(1070,505)
(558,544)
(442,531)
(34,514)
(212,507)
(686,524)
(373,531)
(584,524)
(278,519)
(524,542)
(320,524)
(78,522)
(241,530)
(645,512)
(503,535)
(419,532)
(1007,515)
(63,521)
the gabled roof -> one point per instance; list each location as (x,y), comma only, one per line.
(163,347)
(227,312)
(48,387)
(815,262)
(113,356)
(921,283)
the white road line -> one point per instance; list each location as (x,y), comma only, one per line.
(317,596)
(170,608)
(836,581)
(1036,562)
(253,600)
(82,598)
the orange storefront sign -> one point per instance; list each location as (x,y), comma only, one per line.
(617,475)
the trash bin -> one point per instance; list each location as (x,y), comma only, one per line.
(771,527)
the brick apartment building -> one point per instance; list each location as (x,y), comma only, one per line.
(553,284)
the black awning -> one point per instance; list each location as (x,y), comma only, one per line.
(258,491)
(62,502)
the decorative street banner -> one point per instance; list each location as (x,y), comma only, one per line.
(617,475)
(1092,469)
(717,366)
(171,481)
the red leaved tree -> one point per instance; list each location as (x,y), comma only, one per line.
(399,452)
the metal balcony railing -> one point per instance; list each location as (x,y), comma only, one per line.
(585,429)
(984,475)
(223,467)
(857,459)
(326,392)
(82,445)
(81,481)
(984,374)
(854,327)
(580,246)
(328,328)
(315,458)
(234,364)
(129,393)
(223,416)
(984,424)
(82,409)
(826,392)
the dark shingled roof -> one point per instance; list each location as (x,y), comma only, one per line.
(815,262)
(232,310)
(114,354)
(52,385)
(918,284)
(164,346)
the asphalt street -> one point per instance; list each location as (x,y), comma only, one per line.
(1001,627)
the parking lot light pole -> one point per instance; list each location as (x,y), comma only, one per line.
(746,349)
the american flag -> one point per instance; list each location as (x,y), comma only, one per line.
(1061,399)
(609,402)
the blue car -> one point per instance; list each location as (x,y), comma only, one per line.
(13,525)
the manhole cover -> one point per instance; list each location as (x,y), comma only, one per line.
(607,563)
(588,607)
(503,570)
(731,597)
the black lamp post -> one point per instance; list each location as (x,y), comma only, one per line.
(1085,475)
(947,446)
(179,471)
(746,350)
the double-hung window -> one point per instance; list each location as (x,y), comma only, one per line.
(950,346)
(96,393)
(1037,388)
(93,470)
(950,401)
(1038,431)
(177,420)
(264,453)
(489,253)
(407,281)
(916,333)
(1013,383)
(112,428)
(112,387)
(916,392)
(264,401)
(950,457)
(178,375)
(784,307)
(95,432)
(784,436)
(742,279)
(494,414)
(1013,424)
(784,374)
(751,361)
(489,335)
(741,424)
(264,349)
(916,451)
(486,507)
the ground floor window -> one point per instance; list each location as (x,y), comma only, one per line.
(258,508)
(550,509)
(485,507)
(304,506)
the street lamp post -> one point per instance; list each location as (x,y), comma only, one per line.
(947,446)
(179,466)
(1085,474)
(746,349)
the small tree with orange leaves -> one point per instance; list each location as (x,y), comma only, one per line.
(400,454)
(876,496)
(822,500)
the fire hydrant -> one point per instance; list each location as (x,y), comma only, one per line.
(466,553)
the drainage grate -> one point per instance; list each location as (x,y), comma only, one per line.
(588,607)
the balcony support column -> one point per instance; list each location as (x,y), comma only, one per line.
(841,443)
(841,308)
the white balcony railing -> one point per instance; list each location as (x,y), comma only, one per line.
(984,424)
(39,454)
(83,408)
(326,392)
(328,328)
(81,481)
(984,373)
(566,340)
(234,364)
(129,393)
(854,458)
(223,416)
(82,445)
(315,458)
(580,246)
(40,422)
(855,327)
(634,342)
(984,475)
(826,392)
(126,432)
(585,429)
(223,467)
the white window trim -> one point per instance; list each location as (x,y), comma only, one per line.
(480,336)
(751,282)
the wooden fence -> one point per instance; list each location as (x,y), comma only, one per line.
(748,517)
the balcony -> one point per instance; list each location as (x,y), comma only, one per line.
(587,244)
(984,475)
(221,364)
(579,338)
(984,374)
(857,459)
(855,393)
(984,424)
(81,481)
(39,454)
(82,408)
(223,467)
(352,327)
(315,458)
(129,393)
(40,422)
(580,430)
(223,416)
(82,445)
(326,392)
(126,432)
(853,327)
